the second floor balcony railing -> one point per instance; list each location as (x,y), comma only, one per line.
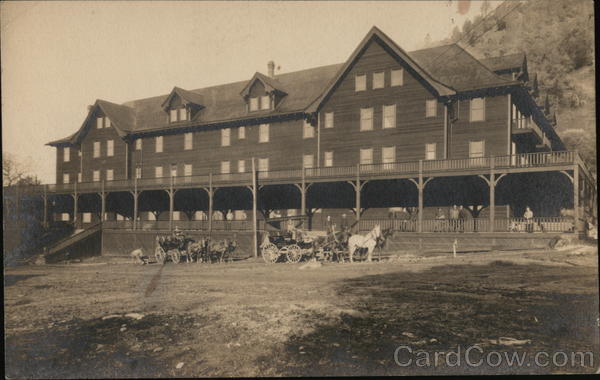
(463,166)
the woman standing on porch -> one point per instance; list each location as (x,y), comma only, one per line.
(528,215)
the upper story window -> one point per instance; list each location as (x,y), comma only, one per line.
(188,140)
(225,167)
(158,171)
(138,172)
(241,166)
(389,116)
(65,177)
(430,108)
(96,176)
(308,131)
(241,133)
(430,151)
(366,156)
(263,164)
(308,161)
(66,154)
(110,148)
(158,144)
(138,144)
(477,109)
(102,122)
(173,170)
(476,149)
(360,83)
(265,102)
(366,119)
(378,80)
(110,174)
(96,149)
(254,104)
(263,133)
(328,161)
(397,77)
(79,179)
(328,120)
(225,136)
(178,114)
(187,170)
(388,154)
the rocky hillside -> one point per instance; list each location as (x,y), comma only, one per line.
(558,38)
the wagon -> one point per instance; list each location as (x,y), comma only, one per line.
(170,247)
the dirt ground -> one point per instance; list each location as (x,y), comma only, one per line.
(253,319)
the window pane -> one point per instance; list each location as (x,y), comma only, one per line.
(110,148)
(397,77)
(366,119)
(225,137)
(173,170)
(106,122)
(158,172)
(65,178)
(87,217)
(138,172)
(241,166)
(388,154)
(366,156)
(477,109)
(241,133)
(308,130)
(159,144)
(78,177)
(263,164)
(308,161)
(430,108)
(378,80)
(96,175)
(329,120)
(173,116)
(66,154)
(96,148)
(99,122)
(109,174)
(328,159)
(187,170)
(361,82)
(389,116)
(182,114)
(430,151)
(224,167)
(265,102)
(188,141)
(253,104)
(476,149)
(138,144)
(176,215)
(263,133)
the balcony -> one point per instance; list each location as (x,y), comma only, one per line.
(540,161)
(526,128)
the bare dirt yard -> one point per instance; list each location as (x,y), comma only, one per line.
(253,319)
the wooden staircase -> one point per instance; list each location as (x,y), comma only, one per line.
(73,239)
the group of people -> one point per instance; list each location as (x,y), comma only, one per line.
(332,227)
(456,219)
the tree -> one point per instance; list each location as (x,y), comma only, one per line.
(13,172)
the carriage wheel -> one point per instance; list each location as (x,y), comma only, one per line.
(270,253)
(175,255)
(160,255)
(294,253)
(339,253)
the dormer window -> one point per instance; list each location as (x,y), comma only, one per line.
(265,102)
(102,122)
(178,115)
(254,104)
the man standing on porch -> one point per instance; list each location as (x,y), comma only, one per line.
(528,215)
(454,217)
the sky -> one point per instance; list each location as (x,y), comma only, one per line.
(59,57)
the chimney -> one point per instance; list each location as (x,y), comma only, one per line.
(271,69)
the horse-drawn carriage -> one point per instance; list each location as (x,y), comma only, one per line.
(203,250)
(293,244)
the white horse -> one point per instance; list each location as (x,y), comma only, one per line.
(368,241)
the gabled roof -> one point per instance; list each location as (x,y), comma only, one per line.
(271,84)
(505,63)
(188,97)
(122,119)
(376,34)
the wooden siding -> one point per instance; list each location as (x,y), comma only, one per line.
(71,167)
(493,130)
(413,130)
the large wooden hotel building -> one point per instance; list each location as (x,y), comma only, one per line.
(387,136)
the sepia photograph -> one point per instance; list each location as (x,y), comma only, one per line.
(299,188)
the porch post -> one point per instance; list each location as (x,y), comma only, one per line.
(103,203)
(357,188)
(18,202)
(210,203)
(45,196)
(576,197)
(135,204)
(420,187)
(254,206)
(492,194)
(303,194)
(75,206)
(171,204)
